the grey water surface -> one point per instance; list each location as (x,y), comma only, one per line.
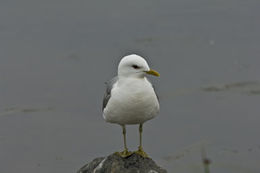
(55,56)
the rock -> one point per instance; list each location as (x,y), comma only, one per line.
(116,164)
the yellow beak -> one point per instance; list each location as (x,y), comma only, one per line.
(153,72)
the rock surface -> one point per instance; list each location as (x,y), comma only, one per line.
(116,164)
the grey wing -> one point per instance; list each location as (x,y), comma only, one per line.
(107,95)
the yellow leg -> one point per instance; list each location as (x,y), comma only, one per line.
(124,153)
(140,150)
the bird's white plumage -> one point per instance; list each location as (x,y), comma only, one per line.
(133,99)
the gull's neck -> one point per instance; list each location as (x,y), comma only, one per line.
(130,78)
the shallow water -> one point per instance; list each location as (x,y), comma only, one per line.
(56,55)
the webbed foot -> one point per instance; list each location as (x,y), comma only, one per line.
(141,152)
(124,153)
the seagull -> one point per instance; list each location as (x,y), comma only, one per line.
(130,98)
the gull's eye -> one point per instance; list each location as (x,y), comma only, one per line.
(135,66)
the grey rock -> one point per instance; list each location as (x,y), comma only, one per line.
(116,164)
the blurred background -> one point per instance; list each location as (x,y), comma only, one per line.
(55,57)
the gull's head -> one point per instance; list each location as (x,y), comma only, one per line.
(134,66)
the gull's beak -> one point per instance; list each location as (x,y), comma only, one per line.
(153,72)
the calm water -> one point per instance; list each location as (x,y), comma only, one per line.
(56,55)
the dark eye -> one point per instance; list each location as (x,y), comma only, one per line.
(135,66)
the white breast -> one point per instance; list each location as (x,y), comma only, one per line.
(133,101)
